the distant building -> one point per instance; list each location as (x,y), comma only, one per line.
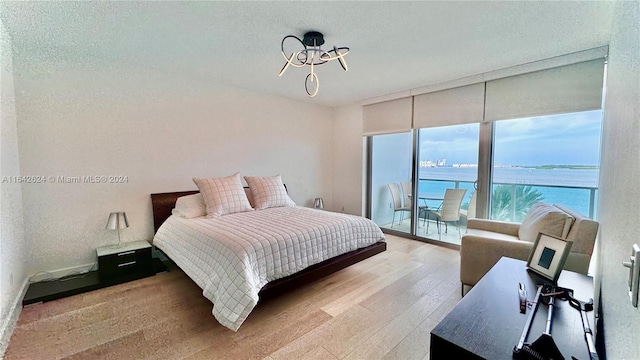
(431,163)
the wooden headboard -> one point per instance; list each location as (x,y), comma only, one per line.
(162,205)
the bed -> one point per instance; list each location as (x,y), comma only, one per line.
(280,254)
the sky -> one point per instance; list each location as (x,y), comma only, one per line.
(565,139)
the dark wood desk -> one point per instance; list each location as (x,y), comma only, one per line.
(487,323)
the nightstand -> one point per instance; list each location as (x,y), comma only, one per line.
(117,264)
(124,262)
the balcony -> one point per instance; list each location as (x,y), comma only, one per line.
(509,203)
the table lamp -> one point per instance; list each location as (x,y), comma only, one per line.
(318,203)
(117,221)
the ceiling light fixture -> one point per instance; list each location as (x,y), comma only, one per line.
(312,55)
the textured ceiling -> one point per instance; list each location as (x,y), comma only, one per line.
(395,46)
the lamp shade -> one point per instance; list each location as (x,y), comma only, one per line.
(117,220)
(318,203)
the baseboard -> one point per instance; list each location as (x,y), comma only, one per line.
(56,274)
(8,324)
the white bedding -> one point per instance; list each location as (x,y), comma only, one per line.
(233,256)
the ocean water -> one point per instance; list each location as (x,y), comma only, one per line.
(569,187)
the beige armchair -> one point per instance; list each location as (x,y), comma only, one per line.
(486,241)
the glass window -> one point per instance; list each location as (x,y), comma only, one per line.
(554,159)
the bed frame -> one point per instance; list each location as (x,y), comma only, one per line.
(163,203)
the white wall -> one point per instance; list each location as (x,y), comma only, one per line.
(349,159)
(159,131)
(13,277)
(348,164)
(619,203)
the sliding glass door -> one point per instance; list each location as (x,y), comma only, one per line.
(391,181)
(447,159)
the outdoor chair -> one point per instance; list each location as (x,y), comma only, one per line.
(470,212)
(397,203)
(449,210)
(406,192)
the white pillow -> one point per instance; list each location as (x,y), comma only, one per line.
(268,192)
(547,219)
(224,195)
(190,206)
(249,195)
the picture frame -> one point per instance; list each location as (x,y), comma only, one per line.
(548,256)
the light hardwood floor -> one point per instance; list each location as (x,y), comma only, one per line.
(383,307)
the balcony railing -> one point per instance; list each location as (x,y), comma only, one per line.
(592,192)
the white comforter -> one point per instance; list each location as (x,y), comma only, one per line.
(233,256)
